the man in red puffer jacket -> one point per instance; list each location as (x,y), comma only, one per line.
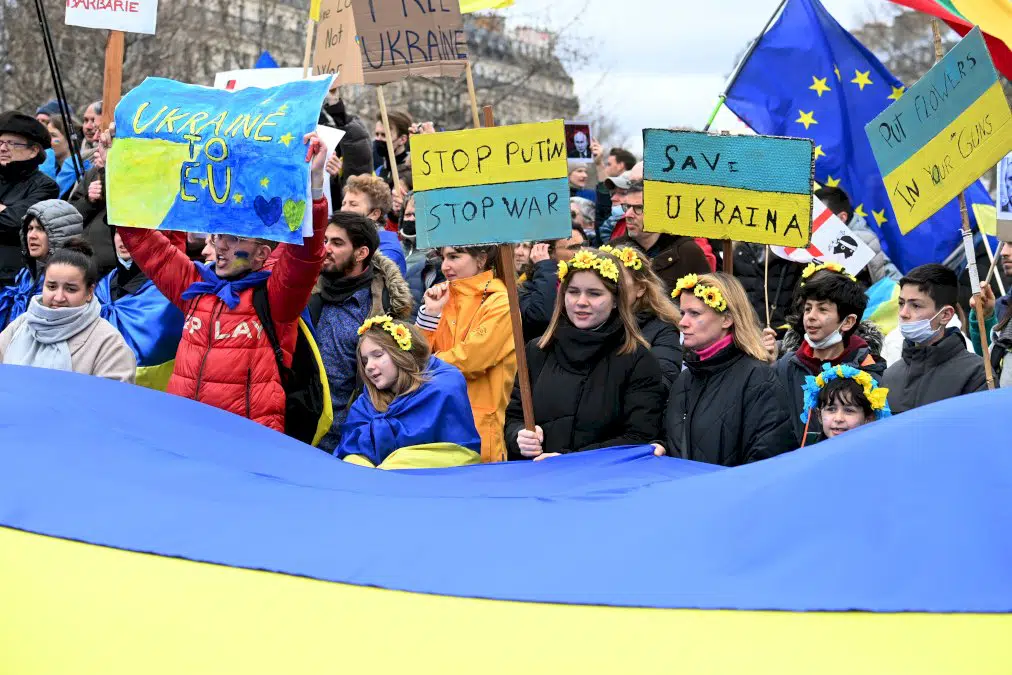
(224,358)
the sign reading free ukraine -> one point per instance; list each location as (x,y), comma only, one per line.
(946,131)
(491,186)
(197,159)
(743,188)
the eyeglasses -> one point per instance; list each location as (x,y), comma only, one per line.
(636,208)
(14,145)
(228,240)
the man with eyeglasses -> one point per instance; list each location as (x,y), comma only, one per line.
(23,144)
(672,256)
(225,358)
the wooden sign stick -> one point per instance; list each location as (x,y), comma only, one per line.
(971,258)
(112,85)
(509,274)
(471,95)
(766,283)
(307,55)
(390,138)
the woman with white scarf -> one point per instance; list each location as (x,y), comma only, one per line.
(62,328)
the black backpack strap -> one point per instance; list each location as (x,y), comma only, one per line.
(262,306)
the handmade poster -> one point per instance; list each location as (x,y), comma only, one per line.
(131,16)
(337,51)
(1005,189)
(398,39)
(491,186)
(943,134)
(744,188)
(578,141)
(832,241)
(198,159)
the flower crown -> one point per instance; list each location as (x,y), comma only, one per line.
(629,257)
(875,394)
(588,260)
(831,266)
(710,295)
(399,332)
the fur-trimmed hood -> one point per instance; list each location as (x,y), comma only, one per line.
(387,276)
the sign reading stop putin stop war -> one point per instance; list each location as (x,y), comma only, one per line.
(943,134)
(744,188)
(491,186)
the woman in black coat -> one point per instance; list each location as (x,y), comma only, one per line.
(595,382)
(727,407)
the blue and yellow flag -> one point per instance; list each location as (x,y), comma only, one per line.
(810,77)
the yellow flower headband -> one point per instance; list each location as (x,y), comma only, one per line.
(877,396)
(710,295)
(627,255)
(399,332)
(831,266)
(587,260)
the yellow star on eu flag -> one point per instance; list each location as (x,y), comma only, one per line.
(265,182)
(237,198)
(283,108)
(837,71)
(859,211)
(862,79)
(880,217)
(286,139)
(897,92)
(832,182)
(819,85)
(819,152)
(807,118)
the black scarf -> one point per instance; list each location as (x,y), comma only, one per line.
(13,172)
(578,350)
(334,289)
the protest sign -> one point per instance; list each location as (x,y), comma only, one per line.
(197,159)
(132,16)
(1005,191)
(337,51)
(578,140)
(832,241)
(492,185)
(943,134)
(743,188)
(400,39)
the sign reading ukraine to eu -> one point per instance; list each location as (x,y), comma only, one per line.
(943,134)
(743,188)
(491,186)
(197,159)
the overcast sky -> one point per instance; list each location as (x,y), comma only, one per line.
(663,62)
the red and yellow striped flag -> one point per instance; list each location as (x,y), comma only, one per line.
(993,16)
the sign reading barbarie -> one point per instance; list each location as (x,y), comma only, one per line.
(743,188)
(401,38)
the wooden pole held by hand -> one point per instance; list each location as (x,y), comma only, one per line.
(112,84)
(391,155)
(307,55)
(509,273)
(766,283)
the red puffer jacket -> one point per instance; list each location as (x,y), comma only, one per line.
(224,358)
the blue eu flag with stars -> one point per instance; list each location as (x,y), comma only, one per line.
(809,77)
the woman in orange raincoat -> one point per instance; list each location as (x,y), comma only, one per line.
(467,322)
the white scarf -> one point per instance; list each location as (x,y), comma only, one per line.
(41,341)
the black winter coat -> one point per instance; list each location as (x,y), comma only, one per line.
(672,257)
(537,298)
(729,409)
(354,149)
(784,276)
(665,344)
(586,395)
(96,224)
(19,191)
(933,373)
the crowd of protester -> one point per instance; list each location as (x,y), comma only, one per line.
(632,337)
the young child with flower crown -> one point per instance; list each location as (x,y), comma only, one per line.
(844,398)
(414,411)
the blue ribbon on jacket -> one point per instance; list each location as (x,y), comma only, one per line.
(437,412)
(148,322)
(14,298)
(226,289)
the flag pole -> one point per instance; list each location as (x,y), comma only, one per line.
(971,256)
(728,250)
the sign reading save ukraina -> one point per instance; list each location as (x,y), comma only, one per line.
(491,186)
(197,159)
(744,188)
(943,134)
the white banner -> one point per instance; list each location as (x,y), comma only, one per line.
(131,16)
(832,241)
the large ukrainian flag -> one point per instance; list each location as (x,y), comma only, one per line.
(145,533)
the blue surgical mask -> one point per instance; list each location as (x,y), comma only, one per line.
(921,331)
(125,263)
(617,211)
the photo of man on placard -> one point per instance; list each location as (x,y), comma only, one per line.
(578,141)
(1005,187)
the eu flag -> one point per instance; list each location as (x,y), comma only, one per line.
(809,77)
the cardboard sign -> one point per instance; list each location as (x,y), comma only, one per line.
(491,186)
(131,16)
(399,39)
(946,130)
(744,188)
(832,241)
(198,159)
(337,51)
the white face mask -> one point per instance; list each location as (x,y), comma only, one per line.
(834,338)
(125,263)
(921,331)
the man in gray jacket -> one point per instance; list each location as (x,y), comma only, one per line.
(935,364)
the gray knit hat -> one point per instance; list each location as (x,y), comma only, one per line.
(60,220)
